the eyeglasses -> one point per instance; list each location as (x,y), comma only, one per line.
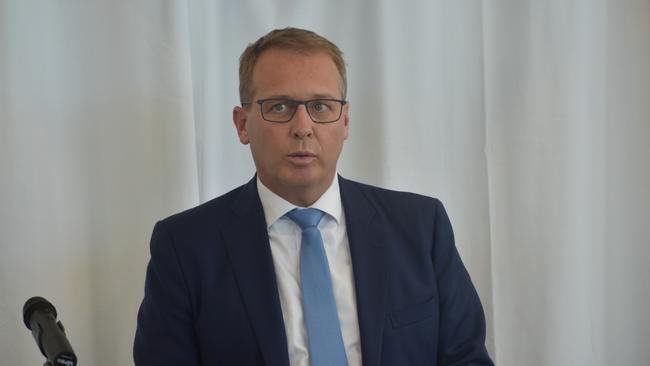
(283,110)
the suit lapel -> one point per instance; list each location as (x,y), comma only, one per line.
(248,247)
(369,254)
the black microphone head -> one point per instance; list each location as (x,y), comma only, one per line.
(34,304)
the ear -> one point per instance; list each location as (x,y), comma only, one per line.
(346,120)
(239,117)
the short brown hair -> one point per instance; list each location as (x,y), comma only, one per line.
(290,39)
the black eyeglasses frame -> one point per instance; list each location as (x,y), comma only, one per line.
(298,103)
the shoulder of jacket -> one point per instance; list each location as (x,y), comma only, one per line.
(213,210)
(390,196)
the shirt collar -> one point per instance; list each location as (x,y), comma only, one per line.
(275,206)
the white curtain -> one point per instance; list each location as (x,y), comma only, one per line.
(529,119)
(568,124)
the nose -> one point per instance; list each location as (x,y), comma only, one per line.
(301,123)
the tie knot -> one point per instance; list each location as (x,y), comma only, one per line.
(305,218)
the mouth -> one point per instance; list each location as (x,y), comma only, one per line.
(301,157)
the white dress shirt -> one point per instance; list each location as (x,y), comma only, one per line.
(285,238)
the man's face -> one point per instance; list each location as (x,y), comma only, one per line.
(299,155)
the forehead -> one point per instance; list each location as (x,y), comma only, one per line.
(300,76)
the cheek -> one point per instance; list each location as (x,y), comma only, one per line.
(333,143)
(265,143)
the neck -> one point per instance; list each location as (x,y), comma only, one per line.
(301,196)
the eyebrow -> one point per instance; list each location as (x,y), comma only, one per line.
(315,96)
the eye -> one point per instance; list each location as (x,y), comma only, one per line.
(278,107)
(320,106)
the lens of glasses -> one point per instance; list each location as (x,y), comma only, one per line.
(320,110)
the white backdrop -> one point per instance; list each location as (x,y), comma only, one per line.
(529,119)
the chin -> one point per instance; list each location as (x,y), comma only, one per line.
(302,179)
(301,182)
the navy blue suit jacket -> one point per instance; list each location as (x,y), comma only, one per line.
(211,296)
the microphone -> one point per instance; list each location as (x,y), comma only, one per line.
(40,317)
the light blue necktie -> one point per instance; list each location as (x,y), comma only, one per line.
(321,317)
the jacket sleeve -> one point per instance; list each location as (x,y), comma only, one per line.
(462,321)
(165,333)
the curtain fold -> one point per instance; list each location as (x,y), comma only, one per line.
(567,88)
(97,144)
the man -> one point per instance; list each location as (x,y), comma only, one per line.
(300,266)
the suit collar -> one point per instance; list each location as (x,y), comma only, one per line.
(248,247)
(369,252)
